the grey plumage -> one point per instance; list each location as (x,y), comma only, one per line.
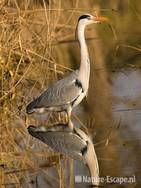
(58,96)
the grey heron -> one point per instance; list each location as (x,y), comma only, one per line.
(75,144)
(67,93)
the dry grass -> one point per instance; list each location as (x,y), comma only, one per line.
(35,40)
(27,66)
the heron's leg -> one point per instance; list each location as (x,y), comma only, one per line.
(70,124)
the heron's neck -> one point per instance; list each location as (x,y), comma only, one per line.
(84,71)
(92,163)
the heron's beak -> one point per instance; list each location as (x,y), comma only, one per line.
(101,19)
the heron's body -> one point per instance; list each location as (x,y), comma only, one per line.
(68,92)
(55,98)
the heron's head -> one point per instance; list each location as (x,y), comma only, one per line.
(87,19)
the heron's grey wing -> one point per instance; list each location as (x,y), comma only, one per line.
(60,93)
(69,77)
(64,142)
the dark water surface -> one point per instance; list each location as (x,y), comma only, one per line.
(126,89)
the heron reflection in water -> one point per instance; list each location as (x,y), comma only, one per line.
(75,144)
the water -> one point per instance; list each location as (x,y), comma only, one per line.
(126,89)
